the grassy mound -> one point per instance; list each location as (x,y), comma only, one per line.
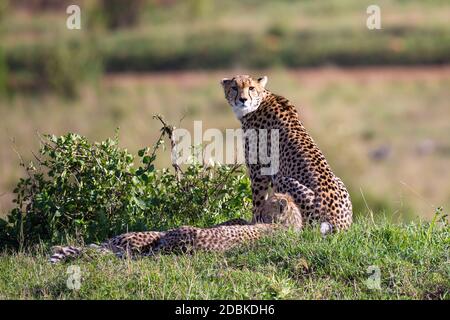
(412,260)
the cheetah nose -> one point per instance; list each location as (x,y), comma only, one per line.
(242,99)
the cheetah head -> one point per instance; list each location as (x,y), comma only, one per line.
(244,94)
(281,209)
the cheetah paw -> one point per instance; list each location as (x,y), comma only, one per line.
(326,228)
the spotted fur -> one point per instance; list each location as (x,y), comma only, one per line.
(303,170)
(280,211)
(127,244)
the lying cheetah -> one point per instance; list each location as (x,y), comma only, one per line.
(279,211)
(303,171)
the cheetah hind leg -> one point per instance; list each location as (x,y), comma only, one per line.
(304,198)
(62,253)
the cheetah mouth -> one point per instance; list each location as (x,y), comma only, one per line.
(242,106)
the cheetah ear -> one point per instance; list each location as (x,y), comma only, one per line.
(225,81)
(283,204)
(262,81)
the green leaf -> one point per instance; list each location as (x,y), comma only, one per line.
(146,159)
(141,152)
(141,204)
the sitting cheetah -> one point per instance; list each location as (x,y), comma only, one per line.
(279,211)
(302,171)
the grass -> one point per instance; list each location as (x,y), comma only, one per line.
(413,260)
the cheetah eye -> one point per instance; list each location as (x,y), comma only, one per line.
(234,88)
(251,88)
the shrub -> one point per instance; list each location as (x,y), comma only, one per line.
(91,191)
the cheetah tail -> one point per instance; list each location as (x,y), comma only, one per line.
(62,253)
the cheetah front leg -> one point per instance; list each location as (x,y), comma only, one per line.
(260,191)
(310,206)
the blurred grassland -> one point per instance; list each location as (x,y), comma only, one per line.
(214,34)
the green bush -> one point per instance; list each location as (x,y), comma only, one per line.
(89,192)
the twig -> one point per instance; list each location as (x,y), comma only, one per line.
(418,194)
(220,185)
(168,130)
(367,206)
(22,162)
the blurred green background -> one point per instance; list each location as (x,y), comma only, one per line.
(377,102)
